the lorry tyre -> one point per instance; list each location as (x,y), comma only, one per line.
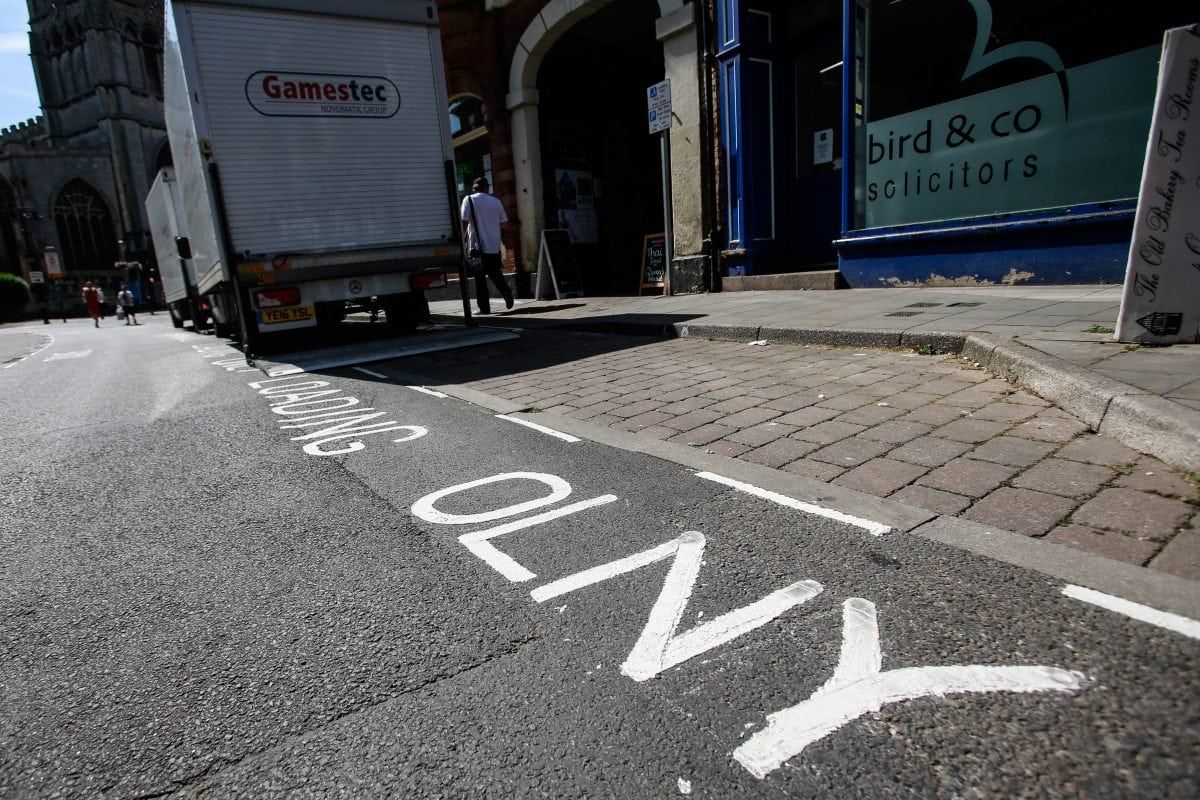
(176,320)
(403,311)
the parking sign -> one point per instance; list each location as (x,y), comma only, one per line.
(658,104)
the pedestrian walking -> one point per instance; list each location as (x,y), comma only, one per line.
(482,214)
(126,301)
(92,299)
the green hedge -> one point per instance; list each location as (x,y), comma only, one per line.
(14,293)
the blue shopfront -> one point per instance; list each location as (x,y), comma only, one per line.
(934,142)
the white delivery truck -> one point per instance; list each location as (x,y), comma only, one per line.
(311,142)
(164,209)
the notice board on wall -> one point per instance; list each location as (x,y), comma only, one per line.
(557,267)
(654,262)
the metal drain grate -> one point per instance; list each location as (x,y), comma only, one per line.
(902,314)
(963,305)
(922,305)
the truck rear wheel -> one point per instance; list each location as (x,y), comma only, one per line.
(404,311)
(176,319)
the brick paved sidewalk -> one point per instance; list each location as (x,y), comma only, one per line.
(929,431)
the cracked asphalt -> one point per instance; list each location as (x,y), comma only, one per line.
(192,605)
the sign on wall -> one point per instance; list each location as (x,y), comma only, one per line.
(53,265)
(1055,140)
(1161,303)
(658,106)
(575,194)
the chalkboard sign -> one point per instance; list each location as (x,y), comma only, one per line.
(556,262)
(654,262)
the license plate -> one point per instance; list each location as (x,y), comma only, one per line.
(273,316)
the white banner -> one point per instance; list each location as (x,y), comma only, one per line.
(1161,304)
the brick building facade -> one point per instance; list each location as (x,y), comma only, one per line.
(561,86)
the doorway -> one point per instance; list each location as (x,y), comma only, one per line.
(789,194)
(600,166)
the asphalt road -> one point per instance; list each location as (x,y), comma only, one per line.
(190,602)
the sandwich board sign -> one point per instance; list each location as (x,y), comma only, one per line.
(1161,301)
(654,262)
(557,267)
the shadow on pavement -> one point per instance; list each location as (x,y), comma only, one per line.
(537,348)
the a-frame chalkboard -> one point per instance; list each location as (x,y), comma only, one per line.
(557,267)
(654,262)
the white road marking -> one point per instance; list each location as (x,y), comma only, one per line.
(1163,619)
(604,572)
(426,510)
(66,356)
(371,372)
(477,541)
(34,351)
(859,687)
(566,437)
(873,528)
(660,647)
(430,392)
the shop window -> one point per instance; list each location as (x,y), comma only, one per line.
(85,228)
(974,108)
(152,60)
(472,146)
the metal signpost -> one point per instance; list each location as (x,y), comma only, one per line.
(658,104)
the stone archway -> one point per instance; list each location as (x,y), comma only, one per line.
(555,19)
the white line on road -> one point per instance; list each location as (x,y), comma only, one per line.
(35,351)
(479,544)
(70,355)
(873,528)
(1163,619)
(566,437)
(430,392)
(371,372)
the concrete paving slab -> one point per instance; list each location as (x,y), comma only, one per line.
(1165,592)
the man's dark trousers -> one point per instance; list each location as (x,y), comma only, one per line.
(491,269)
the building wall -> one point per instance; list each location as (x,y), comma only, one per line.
(495,49)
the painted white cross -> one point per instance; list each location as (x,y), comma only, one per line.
(859,686)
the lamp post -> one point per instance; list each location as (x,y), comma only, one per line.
(28,216)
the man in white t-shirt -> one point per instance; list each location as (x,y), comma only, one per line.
(482,215)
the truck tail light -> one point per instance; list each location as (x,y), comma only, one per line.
(427,280)
(277,296)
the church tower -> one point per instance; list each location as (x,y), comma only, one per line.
(78,175)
